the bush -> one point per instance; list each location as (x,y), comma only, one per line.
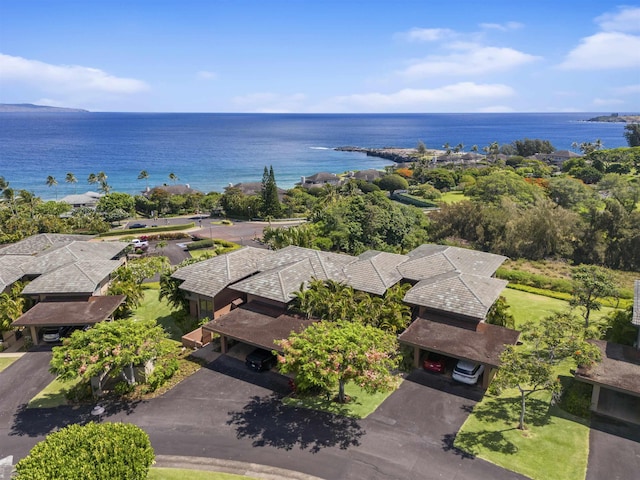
(167,228)
(576,399)
(161,373)
(534,280)
(198,244)
(95,451)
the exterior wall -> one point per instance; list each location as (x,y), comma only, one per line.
(223,301)
(266,301)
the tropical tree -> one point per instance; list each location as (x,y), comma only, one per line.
(499,314)
(590,284)
(530,367)
(52,182)
(92,179)
(393,182)
(459,148)
(71,178)
(95,451)
(108,350)
(270,206)
(173,177)
(144,175)
(11,306)
(101,177)
(632,134)
(327,355)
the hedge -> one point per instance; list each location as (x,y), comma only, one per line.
(137,231)
(95,451)
(412,200)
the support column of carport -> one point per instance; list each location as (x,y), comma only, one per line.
(34,334)
(224,344)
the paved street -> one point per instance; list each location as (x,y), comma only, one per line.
(226,411)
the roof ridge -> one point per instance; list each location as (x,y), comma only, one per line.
(375,268)
(444,254)
(322,265)
(470,289)
(281,282)
(83,272)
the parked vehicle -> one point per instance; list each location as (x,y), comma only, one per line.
(137,225)
(140,243)
(261,360)
(434,363)
(51,334)
(467,372)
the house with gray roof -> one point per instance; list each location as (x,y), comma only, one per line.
(452,292)
(320,179)
(87,199)
(39,243)
(615,380)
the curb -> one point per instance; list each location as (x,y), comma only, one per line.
(253,470)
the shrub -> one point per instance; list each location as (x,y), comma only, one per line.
(161,373)
(198,244)
(576,399)
(95,451)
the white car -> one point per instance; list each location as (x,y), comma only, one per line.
(137,243)
(467,372)
(51,334)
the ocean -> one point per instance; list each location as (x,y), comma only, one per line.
(210,151)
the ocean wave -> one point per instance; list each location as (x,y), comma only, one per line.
(319,148)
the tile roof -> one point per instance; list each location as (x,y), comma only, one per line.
(211,276)
(636,304)
(60,256)
(482,345)
(429,260)
(38,243)
(459,293)
(374,272)
(60,313)
(326,265)
(10,269)
(81,277)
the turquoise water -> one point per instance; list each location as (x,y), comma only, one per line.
(209,151)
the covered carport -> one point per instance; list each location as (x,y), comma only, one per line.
(616,382)
(482,345)
(256,324)
(68,313)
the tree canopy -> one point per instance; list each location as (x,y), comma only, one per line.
(108,349)
(329,354)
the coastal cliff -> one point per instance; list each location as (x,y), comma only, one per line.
(615,118)
(397,155)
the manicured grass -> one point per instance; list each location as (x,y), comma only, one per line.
(202,252)
(528,306)
(452,197)
(151,308)
(555,445)
(361,403)
(181,473)
(53,394)
(6,361)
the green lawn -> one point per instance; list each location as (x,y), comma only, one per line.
(555,444)
(180,474)
(153,309)
(528,306)
(361,403)
(6,361)
(452,197)
(53,394)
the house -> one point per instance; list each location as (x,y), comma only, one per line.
(59,268)
(616,379)
(367,175)
(320,179)
(171,190)
(254,188)
(87,199)
(557,158)
(452,292)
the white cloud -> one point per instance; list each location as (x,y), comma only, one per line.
(65,79)
(626,19)
(503,27)
(206,75)
(426,34)
(604,50)
(603,102)
(471,60)
(410,99)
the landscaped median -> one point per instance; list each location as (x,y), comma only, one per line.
(6,360)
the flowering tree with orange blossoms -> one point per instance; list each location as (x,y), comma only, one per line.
(330,354)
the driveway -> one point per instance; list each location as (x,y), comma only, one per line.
(614,450)
(229,412)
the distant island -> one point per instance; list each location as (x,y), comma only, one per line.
(29,107)
(614,117)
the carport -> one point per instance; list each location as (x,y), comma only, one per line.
(482,345)
(68,313)
(616,382)
(256,324)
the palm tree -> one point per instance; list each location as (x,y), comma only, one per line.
(474,149)
(144,175)
(52,182)
(25,197)
(105,187)
(102,177)
(92,179)
(173,177)
(447,148)
(459,148)
(3,184)
(71,178)
(10,197)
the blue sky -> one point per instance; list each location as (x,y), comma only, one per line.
(322,56)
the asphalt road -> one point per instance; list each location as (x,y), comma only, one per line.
(226,411)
